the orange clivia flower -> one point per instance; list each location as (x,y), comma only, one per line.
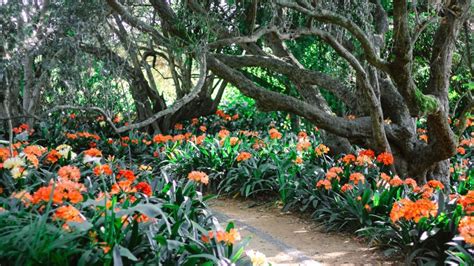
(413,211)
(160,138)
(232,236)
(467,202)
(367,207)
(93,152)
(369,153)
(68,213)
(411,182)
(234,141)
(424,138)
(363,160)
(199,176)
(324,183)
(128,174)
(298,160)
(435,184)
(64,190)
(386,158)
(122,186)
(178,126)
(346,187)
(220,236)
(274,134)
(302,135)
(461,150)
(203,128)
(466,229)
(69,172)
(144,188)
(223,133)
(303,144)
(34,150)
(385,177)
(243,156)
(348,159)
(53,156)
(334,172)
(396,181)
(321,149)
(356,178)
(102,169)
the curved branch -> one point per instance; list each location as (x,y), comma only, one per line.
(270,100)
(135,22)
(327,16)
(301,75)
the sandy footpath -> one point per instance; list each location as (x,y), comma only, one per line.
(288,240)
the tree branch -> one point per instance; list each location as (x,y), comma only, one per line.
(327,16)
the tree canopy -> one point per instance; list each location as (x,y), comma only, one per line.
(363,71)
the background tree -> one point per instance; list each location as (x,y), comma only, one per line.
(375,39)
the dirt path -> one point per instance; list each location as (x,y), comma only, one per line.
(288,240)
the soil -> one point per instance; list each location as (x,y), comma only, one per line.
(287,239)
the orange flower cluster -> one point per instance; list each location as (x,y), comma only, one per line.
(124,186)
(85,135)
(411,182)
(68,213)
(274,133)
(435,184)
(127,174)
(302,135)
(467,202)
(69,172)
(334,172)
(144,188)
(369,153)
(348,159)
(234,141)
(225,116)
(178,126)
(93,152)
(223,133)
(198,140)
(396,181)
(53,156)
(64,190)
(303,144)
(199,176)
(321,149)
(258,144)
(102,169)
(346,187)
(410,210)
(230,238)
(356,178)
(21,128)
(243,156)
(298,160)
(324,183)
(385,158)
(466,229)
(160,138)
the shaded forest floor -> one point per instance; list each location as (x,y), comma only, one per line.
(289,240)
